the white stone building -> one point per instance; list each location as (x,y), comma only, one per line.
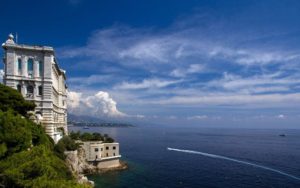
(106,154)
(34,71)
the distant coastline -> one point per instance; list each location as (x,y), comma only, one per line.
(95,124)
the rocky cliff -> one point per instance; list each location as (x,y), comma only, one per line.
(78,165)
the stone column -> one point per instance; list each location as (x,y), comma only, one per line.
(23,89)
(35,91)
(24,66)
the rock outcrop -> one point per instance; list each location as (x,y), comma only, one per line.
(77,164)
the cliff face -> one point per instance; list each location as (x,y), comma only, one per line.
(76,162)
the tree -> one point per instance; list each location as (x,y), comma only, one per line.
(27,158)
(38,167)
(75,135)
(15,133)
(97,137)
(18,133)
(86,137)
(65,144)
(108,139)
(12,99)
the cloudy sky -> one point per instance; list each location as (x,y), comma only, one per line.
(184,62)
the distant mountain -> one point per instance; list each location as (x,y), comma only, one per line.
(79,120)
(83,118)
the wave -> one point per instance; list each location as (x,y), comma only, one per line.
(235,160)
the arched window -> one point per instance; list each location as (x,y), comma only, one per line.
(29,89)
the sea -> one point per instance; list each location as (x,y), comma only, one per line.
(194,156)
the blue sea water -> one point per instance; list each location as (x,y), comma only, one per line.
(144,148)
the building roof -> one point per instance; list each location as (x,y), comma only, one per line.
(7,45)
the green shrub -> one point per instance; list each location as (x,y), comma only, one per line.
(75,135)
(38,166)
(86,137)
(12,99)
(91,137)
(97,137)
(26,151)
(15,132)
(65,144)
(107,139)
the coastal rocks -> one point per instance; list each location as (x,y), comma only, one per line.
(84,180)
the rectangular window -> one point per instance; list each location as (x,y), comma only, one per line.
(114,147)
(19,64)
(107,148)
(40,90)
(30,89)
(101,149)
(19,88)
(41,68)
(30,67)
(96,149)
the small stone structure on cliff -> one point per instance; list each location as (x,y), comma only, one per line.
(94,157)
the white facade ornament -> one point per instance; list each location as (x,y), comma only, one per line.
(10,39)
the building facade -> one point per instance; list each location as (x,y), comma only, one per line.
(34,72)
(105,154)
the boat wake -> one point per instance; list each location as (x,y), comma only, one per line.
(235,160)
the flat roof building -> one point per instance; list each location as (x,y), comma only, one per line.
(105,154)
(35,73)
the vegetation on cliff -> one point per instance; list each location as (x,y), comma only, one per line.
(11,99)
(27,155)
(65,144)
(91,137)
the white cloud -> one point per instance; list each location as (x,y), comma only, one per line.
(249,56)
(172,117)
(281,116)
(140,116)
(193,68)
(267,100)
(93,79)
(146,83)
(198,117)
(255,84)
(98,105)
(255,74)
(266,58)
(154,50)
(74,99)
(183,50)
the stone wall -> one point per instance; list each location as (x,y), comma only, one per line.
(112,163)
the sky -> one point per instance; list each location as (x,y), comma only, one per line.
(206,63)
